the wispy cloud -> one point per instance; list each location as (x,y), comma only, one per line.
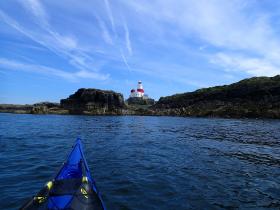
(35,7)
(68,46)
(53,39)
(125,60)
(225,26)
(105,32)
(63,46)
(252,66)
(40,69)
(110,15)
(127,38)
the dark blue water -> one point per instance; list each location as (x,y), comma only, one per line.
(161,163)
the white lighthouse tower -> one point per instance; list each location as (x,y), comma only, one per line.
(139,93)
(140,90)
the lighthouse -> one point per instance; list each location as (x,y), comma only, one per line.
(140,90)
(137,96)
(139,93)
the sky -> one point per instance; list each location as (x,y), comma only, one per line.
(50,48)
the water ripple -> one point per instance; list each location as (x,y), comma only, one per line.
(147,162)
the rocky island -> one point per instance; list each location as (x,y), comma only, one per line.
(38,108)
(257,97)
(94,101)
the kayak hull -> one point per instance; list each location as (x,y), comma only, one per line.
(73,188)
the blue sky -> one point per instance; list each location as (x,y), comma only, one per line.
(50,48)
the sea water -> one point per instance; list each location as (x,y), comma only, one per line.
(140,162)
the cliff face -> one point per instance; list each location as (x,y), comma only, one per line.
(255,97)
(140,101)
(94,101)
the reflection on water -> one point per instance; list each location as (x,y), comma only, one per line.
(147,162)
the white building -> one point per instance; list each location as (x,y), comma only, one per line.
(139,93)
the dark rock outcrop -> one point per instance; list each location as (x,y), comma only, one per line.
(140,101)
(258,97)
(45,108)
(94,101)
(13,108)
(38,108)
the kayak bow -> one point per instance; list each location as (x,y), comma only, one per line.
(73,188)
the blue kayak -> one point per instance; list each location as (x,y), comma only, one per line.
(73,188)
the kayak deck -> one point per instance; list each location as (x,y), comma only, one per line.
(73,188)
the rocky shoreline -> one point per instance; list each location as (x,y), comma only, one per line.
(257,97)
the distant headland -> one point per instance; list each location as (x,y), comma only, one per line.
(257,97)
